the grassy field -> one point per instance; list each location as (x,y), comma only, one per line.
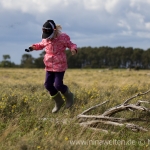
(26,121)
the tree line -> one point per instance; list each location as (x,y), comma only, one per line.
(91,57)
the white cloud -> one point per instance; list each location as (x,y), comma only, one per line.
(124,24)
(135,4)
(30,6)
(147,25)
(93,4)
(111,5)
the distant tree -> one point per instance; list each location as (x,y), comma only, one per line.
(27,61)
(6,61)
(146,59)
(137,57)
(6,57)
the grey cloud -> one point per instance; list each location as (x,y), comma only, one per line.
(109,23)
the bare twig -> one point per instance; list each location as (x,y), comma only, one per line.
(139,94)
(122,108)
(102,117)
(91,108)
(140,101)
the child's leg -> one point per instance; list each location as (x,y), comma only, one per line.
(56,96)
(58,83)
(69,97)
(49,83)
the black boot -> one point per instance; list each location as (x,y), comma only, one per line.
(69,97)
(58,102)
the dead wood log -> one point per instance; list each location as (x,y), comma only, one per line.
(106,117)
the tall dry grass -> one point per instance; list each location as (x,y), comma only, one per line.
(26,121)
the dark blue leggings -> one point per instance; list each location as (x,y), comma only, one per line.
(54,82)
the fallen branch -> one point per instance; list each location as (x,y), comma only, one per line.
(106,117)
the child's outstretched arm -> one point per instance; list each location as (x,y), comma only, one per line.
(38,46)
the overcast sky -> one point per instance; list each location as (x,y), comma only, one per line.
(92,23)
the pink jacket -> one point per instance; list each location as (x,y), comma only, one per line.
(55,58)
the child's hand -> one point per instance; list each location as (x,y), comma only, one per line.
(29,49)
(73,52)
(32,47)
